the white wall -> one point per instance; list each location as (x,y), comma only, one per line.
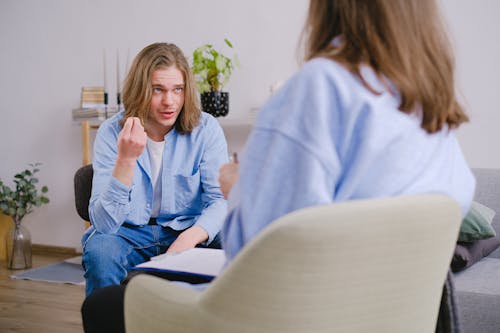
(49,49)
(475,29)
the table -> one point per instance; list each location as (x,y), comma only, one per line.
(86,146)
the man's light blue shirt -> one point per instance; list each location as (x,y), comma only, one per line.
(189,181)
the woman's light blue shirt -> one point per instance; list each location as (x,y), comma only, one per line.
(324,137)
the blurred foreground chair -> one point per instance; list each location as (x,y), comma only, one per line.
(83,189)
(360,266)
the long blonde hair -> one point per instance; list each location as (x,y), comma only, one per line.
(138,89)
(403,40)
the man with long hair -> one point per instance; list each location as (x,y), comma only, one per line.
(155,185)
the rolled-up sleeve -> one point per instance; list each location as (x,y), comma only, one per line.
(110,200)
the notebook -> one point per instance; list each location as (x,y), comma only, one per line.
(197,264)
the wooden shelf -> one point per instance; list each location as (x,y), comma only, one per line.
(235,129)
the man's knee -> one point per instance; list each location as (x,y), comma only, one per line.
(105,249)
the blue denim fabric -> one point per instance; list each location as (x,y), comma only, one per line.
(107,258)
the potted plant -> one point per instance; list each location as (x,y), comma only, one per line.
(212,71)
(17,204)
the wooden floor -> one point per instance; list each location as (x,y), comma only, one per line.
(39,307)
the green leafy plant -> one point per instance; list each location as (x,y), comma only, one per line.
(211,68)
(21,201)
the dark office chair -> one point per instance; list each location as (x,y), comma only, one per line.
(83,190)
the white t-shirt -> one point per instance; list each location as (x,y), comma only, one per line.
(155,150)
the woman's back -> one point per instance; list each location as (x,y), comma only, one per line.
(326,137)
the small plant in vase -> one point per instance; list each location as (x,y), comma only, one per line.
(17,204)
(212,71)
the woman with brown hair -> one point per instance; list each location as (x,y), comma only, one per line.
(370,114)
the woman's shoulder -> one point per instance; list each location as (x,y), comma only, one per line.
(324,68)
(327,75)
(321,84)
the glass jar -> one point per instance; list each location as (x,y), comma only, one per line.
(18,247)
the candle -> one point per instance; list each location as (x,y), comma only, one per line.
(117,72)
(104,69)
(126,63)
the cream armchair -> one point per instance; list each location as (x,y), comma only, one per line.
(361,266)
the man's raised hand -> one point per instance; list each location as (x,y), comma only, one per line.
(131,142)
(132,139)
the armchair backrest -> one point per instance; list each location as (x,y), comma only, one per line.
(361,266)
(83,189)
(375,265)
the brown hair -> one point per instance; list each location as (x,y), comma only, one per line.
(138,90)
(403,40)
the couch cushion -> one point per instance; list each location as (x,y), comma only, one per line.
(478,313)
(481,278)
(478,290)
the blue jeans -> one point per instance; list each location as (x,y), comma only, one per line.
(107,258)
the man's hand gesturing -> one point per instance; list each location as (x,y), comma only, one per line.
(132,139)
(131,142)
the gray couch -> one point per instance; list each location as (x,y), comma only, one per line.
(478,287)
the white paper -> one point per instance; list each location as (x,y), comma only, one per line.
(196,261)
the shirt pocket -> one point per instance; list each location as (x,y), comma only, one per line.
(187,192)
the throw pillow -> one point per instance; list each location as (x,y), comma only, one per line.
(477,224)
(467,254)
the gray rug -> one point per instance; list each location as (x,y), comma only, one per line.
(69,271)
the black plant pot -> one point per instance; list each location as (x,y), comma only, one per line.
(216,103)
